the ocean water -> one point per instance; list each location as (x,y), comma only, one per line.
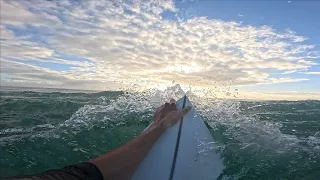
(41,130)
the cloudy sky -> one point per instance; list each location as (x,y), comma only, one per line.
(266,50)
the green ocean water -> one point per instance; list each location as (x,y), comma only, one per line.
(41,130)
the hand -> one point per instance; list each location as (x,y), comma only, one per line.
(167,115)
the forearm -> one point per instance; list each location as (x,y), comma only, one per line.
(121,163)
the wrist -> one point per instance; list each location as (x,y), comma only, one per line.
(159,125)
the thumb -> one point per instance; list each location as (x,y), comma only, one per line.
(185,110)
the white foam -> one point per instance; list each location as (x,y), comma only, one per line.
(244,128)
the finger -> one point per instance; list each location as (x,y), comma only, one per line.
(157,112)
(167,104)
(172,101)
(159,108)
(173,106)
(185,110)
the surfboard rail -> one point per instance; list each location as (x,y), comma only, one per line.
(186,151)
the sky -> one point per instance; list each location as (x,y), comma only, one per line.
(254,49)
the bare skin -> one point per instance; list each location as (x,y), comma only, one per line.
(121,163)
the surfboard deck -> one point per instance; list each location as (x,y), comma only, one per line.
(186,151)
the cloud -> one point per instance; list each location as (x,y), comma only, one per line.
(26,72)
(132,41)
(19,13)
(315,73)
(240,15)
(296,96)
(18,48)
(17,74)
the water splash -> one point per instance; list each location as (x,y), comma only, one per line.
(104,113)
(216,112)
(241,135)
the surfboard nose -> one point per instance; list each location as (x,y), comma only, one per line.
(178,153)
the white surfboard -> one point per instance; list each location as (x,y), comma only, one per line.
(186,151)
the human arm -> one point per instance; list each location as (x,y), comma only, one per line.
(122,162)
